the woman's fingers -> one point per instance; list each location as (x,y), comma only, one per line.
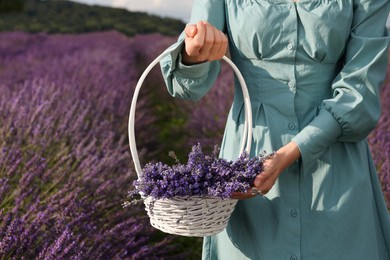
(219,47)
(267,185)
(208,41)
(203,42)
(250,193)
(273,166)
(190,30)
(215,44)
(266,179)
(244,195)
(195,37)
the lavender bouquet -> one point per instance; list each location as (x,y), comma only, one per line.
(204,175)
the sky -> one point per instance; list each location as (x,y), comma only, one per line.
(180,9)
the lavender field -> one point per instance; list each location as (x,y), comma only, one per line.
(65,166)
(379,140)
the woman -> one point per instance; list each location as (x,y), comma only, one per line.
(314,70)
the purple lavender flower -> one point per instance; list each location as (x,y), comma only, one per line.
(203,175)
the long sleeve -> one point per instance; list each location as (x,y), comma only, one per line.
(354,108)
(193,82)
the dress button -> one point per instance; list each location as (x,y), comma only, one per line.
(290,46)
(291,169)
(294,213)
(291,85)
(291,126)
(293,257)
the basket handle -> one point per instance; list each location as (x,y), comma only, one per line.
(247,134)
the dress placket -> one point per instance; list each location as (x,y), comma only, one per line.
(291,176)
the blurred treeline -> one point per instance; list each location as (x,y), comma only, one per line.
(62,16)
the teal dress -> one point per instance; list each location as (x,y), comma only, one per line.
(314,70)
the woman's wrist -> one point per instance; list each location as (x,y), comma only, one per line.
(188,60)
(290,153)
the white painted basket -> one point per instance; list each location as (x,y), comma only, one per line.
(189,216)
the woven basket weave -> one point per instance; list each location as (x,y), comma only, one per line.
(190,216)
(195,216)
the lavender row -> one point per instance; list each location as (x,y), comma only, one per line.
(65,167)
(379,140)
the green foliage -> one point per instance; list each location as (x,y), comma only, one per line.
(11,6)
(70,17)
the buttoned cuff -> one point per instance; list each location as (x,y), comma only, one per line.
(191,71)
(315,138)
(177,67)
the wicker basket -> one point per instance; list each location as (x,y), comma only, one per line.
(190,216)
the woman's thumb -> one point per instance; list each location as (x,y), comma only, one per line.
(191,30)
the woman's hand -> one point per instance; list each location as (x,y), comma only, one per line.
(275,165)
(252,192)
(203,42)
(272,168)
